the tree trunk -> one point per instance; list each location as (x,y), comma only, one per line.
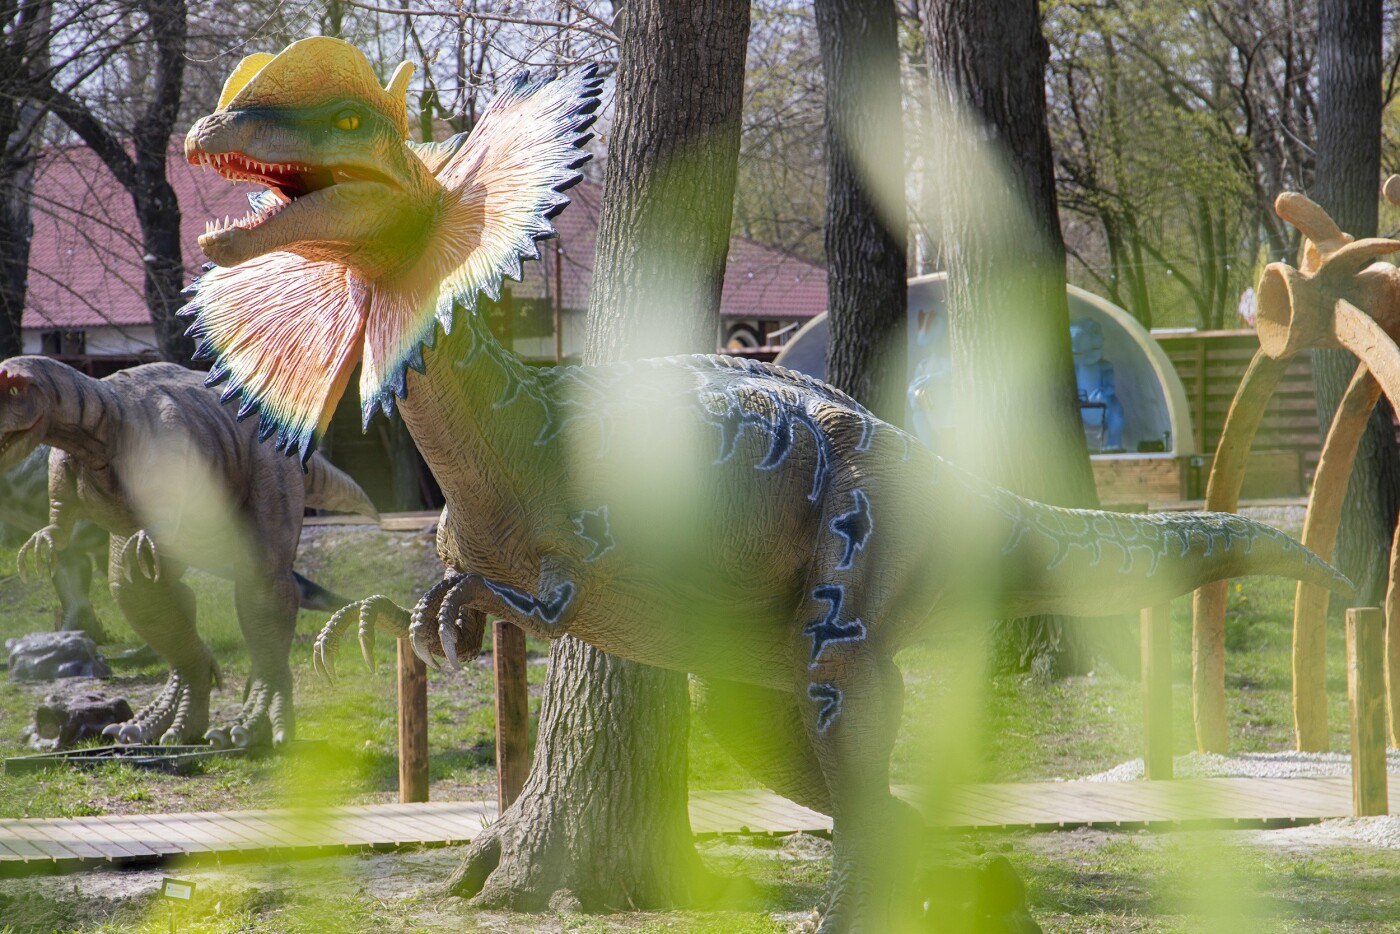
(16,227)
(602,823)
(1008,317)
(141,170)
(866,223)
(1347,186)
(24,48)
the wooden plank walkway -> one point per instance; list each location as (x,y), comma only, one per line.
(48,845)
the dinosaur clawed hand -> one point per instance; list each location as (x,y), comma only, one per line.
(37,554)
(444,623)
(139,558)
(266,718)
(377,612)
(170,720)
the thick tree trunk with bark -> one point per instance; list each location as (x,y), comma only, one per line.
(24,49)
(602,822)
(1347,185)
(1008,317)
(866,224)
(1005,256)
(16,227)
(141,171)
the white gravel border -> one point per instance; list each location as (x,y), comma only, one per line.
(1248,765)
(1380,832)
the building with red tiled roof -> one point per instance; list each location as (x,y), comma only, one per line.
(85,279)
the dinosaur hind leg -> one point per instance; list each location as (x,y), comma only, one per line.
(267,614)
(162,612)
(851,698)
(763,730)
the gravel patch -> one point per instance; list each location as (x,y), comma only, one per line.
(1248,765)
(1379,832)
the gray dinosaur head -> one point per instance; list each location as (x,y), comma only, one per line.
(24,411)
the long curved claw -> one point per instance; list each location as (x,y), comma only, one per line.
(38,552)
(458,620)
(377,612)
(146,559)
(422,647)
(217,737)
(447,634)
(139,556)
(367,637)
(328,642)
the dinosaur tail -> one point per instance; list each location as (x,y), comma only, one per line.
(329,487)
(1090,563)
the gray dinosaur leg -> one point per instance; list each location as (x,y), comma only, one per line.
(267,614)
(851,705)
(763,730)
(72,582)
(162,612)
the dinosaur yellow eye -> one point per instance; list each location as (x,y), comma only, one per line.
(14,390)
(348,121)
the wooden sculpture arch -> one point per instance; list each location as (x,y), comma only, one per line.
(1337,297)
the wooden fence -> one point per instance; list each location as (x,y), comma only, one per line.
(1285,452)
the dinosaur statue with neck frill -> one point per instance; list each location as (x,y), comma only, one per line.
(728,518)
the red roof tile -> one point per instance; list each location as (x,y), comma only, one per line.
(759,281)
(85,264)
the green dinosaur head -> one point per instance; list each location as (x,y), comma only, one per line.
(315,127)
(364,241)
(24,411)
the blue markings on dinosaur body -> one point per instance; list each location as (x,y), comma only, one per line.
(548,608)
(829,628)
(855,527)
(592,526)
(742,406)
(867,434)
(828,696)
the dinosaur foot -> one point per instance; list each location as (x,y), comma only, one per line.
(176,717)
(444,624)
(266,719)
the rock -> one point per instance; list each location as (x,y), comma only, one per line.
(45,656)
(63,722)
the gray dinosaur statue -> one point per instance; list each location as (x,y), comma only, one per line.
(24,509)
(728,518)
(151,456)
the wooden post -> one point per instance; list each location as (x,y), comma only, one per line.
(1366,692)
(1157,691)
(413,725)
(512,712)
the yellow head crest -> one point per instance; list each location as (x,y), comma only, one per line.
(313,70)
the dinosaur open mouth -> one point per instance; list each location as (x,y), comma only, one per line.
(10,438)
(288,181)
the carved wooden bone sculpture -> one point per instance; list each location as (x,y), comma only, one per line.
(1338,296)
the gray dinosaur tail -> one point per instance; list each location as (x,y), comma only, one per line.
(329,487)
(1088,563)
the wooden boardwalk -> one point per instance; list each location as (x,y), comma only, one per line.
(49,845)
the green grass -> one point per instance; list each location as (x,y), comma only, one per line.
(958,725)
